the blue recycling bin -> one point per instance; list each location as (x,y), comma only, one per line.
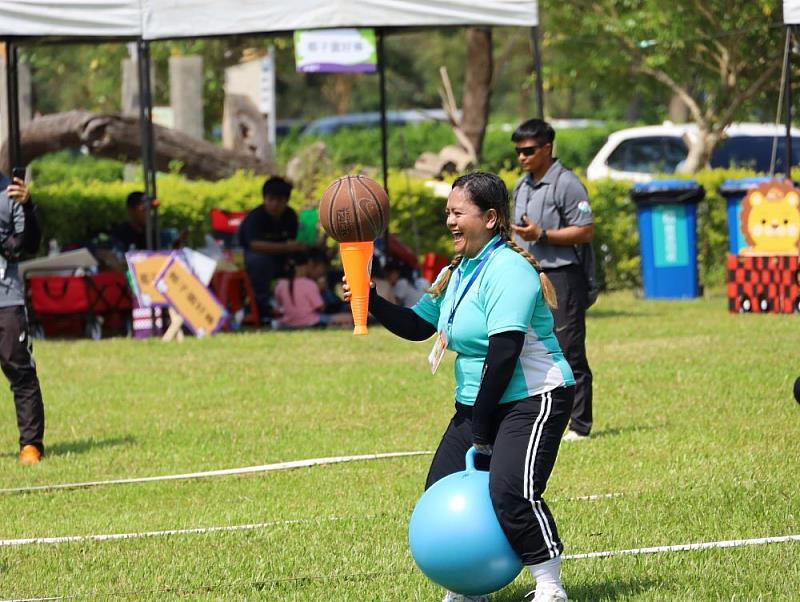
(734,190)
(666,211)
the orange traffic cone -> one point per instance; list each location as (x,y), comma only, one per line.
(356,260)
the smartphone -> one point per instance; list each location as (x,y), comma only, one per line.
(18,172)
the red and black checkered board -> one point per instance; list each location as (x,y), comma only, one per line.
(764,284)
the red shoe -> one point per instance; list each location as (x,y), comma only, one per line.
(30,454)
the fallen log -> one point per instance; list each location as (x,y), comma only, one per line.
(117,136)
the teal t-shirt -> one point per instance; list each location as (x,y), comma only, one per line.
(505,296)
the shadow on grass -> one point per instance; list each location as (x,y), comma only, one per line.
(78,447)
(612,590)
(84,445)
(617,431)
(616,313)
(585,593)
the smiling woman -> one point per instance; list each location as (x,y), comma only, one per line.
(514,389)
(471,227)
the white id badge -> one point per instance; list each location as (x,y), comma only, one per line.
(437,353)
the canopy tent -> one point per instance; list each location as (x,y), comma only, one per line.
(195,18)
(164,19)
(71,18)
(146,20)
(791,12)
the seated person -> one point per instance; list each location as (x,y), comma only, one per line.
(382,285)
(268,235)
(406,288)
(300,301)
(132,234)
(327,279)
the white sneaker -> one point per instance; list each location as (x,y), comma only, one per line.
(547,592)
(574,436)
(453,597)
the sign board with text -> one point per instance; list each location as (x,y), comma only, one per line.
(145,266)
(200,309)
(336,50)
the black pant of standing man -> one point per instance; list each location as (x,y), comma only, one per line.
(16,360)
(570,330)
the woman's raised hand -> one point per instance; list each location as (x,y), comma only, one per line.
(347,293)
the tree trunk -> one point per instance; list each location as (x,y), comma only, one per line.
(700,148)
(477,85)
(678,110)
(118,137)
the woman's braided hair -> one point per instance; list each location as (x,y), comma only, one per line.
(487,191)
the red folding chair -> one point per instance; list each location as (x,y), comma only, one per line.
(432,264)
(234,291)
(224,226)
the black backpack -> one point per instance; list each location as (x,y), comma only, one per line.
(584,252)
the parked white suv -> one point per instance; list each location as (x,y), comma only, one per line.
(638,153)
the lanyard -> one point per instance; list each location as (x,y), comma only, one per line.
(472,279)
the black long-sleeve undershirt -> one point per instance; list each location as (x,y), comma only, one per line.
(498,368)
(399,320)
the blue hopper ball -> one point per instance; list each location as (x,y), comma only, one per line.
(455,537)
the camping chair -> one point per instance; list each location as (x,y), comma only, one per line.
(225,225)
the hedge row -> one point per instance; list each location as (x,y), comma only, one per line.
(348,146)
(73,210)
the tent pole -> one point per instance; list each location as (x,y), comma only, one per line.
(12,92)
(384,132)
(787,102)
(537,68)
(148,154)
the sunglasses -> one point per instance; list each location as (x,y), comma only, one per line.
(527,151)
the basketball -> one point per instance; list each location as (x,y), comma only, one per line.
(354,209)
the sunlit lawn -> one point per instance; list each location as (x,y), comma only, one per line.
(695,428)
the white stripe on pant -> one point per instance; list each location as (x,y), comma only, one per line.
(528,433)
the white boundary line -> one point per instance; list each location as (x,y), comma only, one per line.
(218,473)
(652,550)
(117,536)
(588,498)
(731,543)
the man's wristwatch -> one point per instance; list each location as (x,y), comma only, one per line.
(542,236)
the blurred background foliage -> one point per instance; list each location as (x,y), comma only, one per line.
(80,196)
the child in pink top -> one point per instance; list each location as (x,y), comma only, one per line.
(300,299)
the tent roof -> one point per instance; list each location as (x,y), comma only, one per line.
(163,19)
(791,12)
(71,18)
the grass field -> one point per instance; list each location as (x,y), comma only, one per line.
(695,430)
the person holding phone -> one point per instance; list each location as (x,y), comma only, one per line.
(552,220)
(19,233)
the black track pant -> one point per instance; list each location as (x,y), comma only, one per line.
(528,433)
(570,329)
(16,360)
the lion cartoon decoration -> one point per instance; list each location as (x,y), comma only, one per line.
(770,219)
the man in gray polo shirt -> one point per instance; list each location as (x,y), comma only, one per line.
(552,215)
(19,232)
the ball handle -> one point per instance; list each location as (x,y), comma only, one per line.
(469,459)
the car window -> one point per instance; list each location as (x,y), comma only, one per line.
(753,152)
(648,155)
